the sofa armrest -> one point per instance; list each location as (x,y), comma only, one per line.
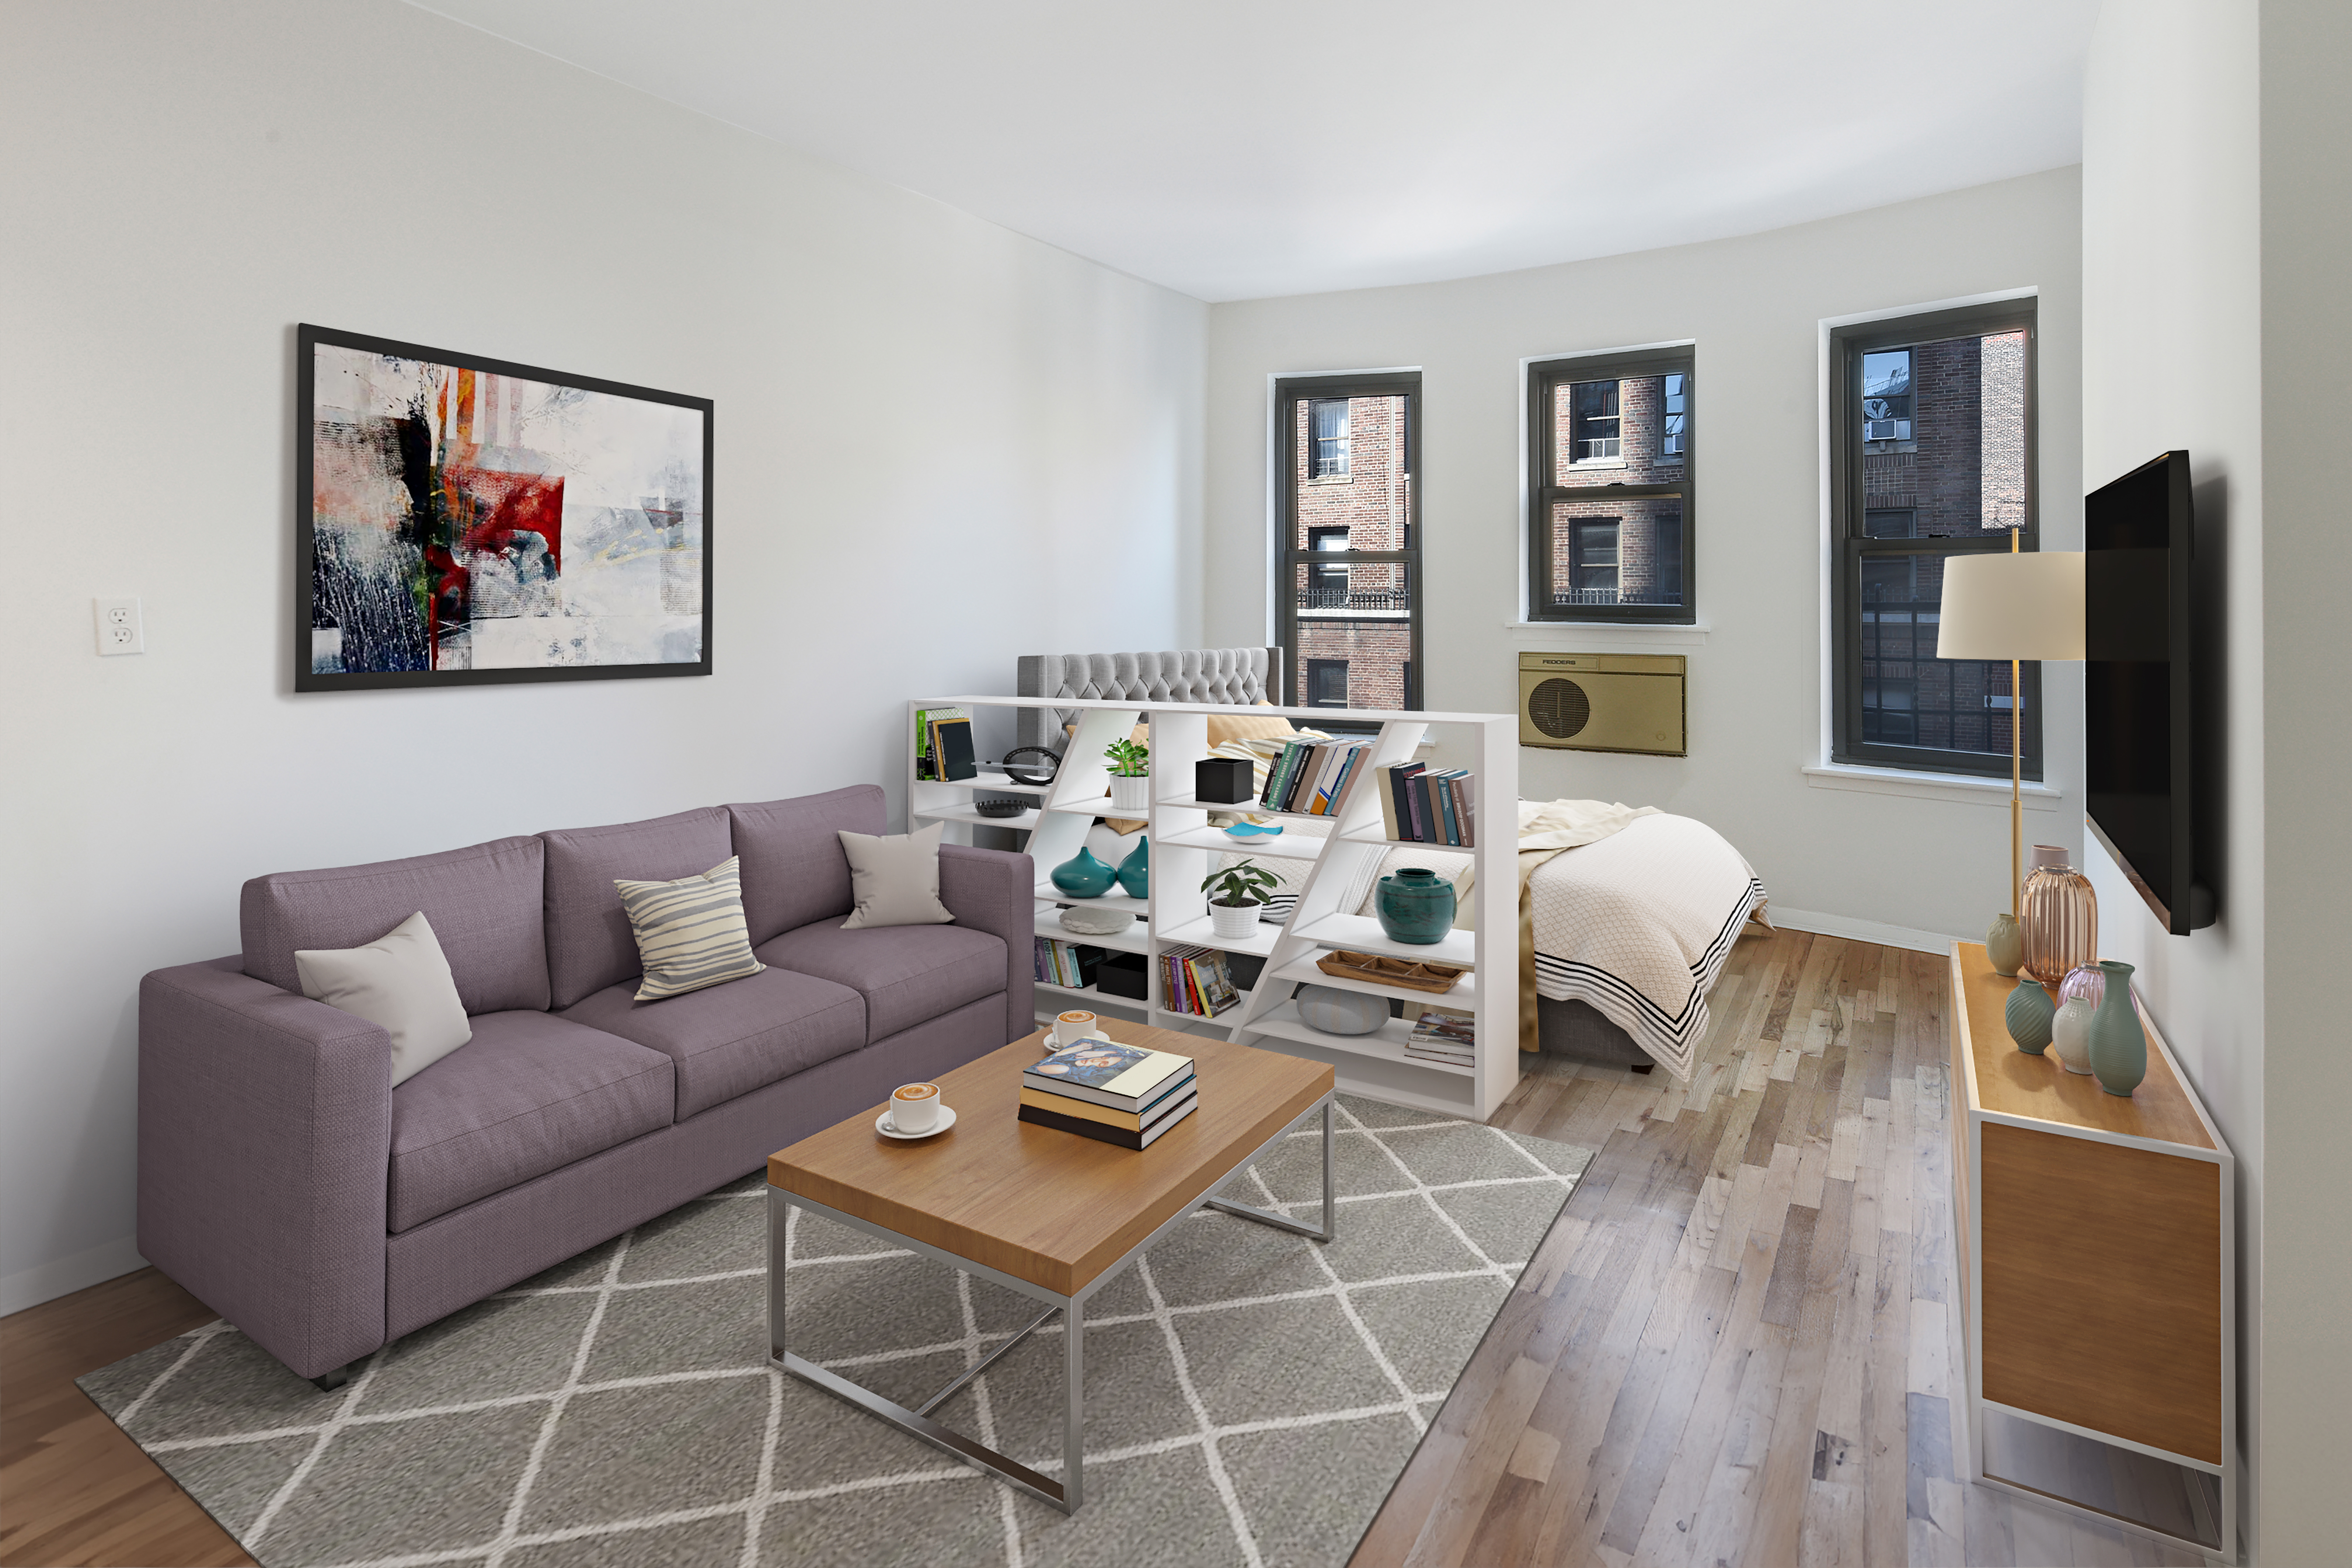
(265,1141)
(994,892)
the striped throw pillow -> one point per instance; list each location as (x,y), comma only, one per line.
(690,933)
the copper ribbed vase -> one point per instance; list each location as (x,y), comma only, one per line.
(2059,917)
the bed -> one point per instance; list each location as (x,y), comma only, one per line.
(1628,934)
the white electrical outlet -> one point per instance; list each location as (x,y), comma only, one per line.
(120,628)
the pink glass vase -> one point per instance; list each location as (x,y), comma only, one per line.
(2060,917)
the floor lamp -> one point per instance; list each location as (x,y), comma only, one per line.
(2015,607)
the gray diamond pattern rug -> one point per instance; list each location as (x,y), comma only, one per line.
(1250,1397)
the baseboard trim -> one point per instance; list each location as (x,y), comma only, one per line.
(1854,929)
(63,1276)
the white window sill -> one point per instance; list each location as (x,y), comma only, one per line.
(1648,633)
(1962,787)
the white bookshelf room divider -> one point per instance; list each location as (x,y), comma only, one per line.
(1184,849)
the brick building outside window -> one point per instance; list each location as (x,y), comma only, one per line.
(1346,599)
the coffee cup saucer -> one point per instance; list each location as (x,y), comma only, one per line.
(946,1120)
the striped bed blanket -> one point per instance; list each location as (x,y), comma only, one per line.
(1639,924)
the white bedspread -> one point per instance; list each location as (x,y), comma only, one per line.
(1639,925)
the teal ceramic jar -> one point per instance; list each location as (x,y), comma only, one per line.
(1083,876)
(2028,1016)
(1415,906)
(1134,871)
(2118,1044)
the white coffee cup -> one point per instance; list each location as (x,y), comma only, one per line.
(914,1107)
(1071,1027)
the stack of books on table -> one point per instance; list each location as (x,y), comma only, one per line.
(1195,979)
(1418,806)
(1444,1037)
(1316,777)
(1099,1089)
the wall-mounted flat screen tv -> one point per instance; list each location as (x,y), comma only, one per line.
(2138,565)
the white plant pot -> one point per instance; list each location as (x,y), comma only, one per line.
(1234,922)
(1131,797)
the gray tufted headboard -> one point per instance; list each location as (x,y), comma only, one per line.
(1238,676)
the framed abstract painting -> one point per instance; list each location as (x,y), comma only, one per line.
(464,521)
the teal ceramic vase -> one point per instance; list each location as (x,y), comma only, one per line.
(1082,876)
(1134,871)
(2118,1044)
(1415,906)
(2005,945)
(2028,1015)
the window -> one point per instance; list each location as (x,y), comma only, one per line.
(1931,456)
(1326,683)
(1348,606)
(1608,531)
(1330,418)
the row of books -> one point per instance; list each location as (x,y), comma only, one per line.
(1118,1094)
(1419,807)
(1444,1037)
(1195,979)
(1315,777)
(943,744)
(1070,964)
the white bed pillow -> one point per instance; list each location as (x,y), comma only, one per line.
(400,981)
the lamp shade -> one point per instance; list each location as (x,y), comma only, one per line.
(2026,605)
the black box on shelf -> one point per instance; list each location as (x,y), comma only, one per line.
(1245,967)
(1226,780)
(1124,974)
(1089,960)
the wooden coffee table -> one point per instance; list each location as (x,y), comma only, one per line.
(1049,1214)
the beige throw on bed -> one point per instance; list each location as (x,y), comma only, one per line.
(1546,827)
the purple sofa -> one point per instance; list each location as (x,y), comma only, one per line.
(285,1182)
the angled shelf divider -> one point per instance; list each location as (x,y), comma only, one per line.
(1186,849)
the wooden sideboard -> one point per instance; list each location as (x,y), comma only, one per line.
(2096,1267)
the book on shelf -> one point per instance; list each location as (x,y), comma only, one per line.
(951,751)
(926,752)
(1066,964)
(1122,1137)
(1422,807)
(1441,1036)
(1195,979)
(1108,1073)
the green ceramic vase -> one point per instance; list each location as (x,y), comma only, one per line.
(1083,876)
(2028,1016)
(2005,945)
(1134,871)
(2118,1044)
(1415,906)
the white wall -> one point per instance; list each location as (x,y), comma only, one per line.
(934,438)
(1755,306)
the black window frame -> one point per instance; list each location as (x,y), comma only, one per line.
(1346,468)
(1851,542)
(1543,377)
(1290,556)
(1315,667)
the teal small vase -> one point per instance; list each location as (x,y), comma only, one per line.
(1415,906)
(2118,1044)
(1134,871)
(2028,1015)
(1083,876)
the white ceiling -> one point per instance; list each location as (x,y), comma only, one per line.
(1235,149)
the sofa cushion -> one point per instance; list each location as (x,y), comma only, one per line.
(530,1094)
(793,869)
(908,975)
(589,944)
(483,903)
(733,1038)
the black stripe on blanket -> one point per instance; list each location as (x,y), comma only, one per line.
(1675,1026)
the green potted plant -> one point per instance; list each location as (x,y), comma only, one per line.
(1130,776)
(1236,898)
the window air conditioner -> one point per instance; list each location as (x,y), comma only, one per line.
(1882,429)
(1605,702)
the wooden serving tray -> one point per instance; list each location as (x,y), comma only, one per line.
(1429,977)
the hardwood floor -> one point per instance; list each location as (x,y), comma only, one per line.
(73,1488)
(1736,1346)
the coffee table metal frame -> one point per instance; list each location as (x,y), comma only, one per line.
(1067,1493)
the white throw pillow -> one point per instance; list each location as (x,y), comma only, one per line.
(895,878)
(400,981)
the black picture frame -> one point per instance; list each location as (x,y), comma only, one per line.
(309,340)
